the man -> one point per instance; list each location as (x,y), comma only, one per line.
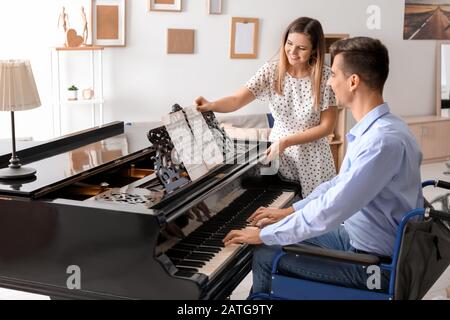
(378,183)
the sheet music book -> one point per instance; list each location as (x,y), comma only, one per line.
(193,141)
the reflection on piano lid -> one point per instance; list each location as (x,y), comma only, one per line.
(16,184)
(96,153)
(134,196)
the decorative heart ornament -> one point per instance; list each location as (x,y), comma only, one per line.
(72,39)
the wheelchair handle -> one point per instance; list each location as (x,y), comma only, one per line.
(439,214)
(443,184)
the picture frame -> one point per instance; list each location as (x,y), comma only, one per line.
(180,41)
(214,6)
(109,23)
(165,5)
(244,38)
(74,18)
(419,13)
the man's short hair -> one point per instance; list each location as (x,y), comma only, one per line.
(366,57)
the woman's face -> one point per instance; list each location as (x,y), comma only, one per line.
(298,49)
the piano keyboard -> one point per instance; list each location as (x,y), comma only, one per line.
(203,251)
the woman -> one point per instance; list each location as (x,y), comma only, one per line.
(301,103)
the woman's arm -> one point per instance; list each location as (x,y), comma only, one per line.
(325,127)
(227,104)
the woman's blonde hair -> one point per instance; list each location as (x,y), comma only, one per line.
(313,29)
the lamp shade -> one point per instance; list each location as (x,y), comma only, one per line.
(17,86)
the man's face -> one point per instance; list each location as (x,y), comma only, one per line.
(339,82)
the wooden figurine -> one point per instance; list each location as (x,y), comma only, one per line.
(63,19)
(63,25)
(85,33)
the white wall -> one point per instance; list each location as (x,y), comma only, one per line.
(142,81)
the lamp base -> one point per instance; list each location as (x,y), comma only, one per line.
(17,173)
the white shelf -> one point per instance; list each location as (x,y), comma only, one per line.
(83,102)
(59,94)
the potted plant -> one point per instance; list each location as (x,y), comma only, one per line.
(72,93)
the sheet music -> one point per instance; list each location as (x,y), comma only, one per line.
(212,155)
(188,149)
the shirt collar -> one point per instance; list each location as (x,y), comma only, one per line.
(364,124)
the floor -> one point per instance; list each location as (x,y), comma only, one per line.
(437,292)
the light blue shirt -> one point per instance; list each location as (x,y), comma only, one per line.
(378,183)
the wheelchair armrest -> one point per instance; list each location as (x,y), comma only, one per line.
(330,254)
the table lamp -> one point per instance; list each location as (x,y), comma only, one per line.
(17,92)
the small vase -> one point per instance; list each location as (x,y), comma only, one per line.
(72,95)
(88,94)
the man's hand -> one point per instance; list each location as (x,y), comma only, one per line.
(248,235)
(265,216)
(202,104)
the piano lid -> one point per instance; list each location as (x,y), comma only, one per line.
(79,161)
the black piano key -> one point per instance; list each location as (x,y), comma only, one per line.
(187,263)
(193,241)
(203,234)
(217,243)
(199,257)
(185,274)
(177,253)
(177,261)
(218,237)
(184,269)
(184,246)
(207,249)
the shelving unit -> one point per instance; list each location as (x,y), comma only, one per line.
(431,133)
(337,145)
(96,81)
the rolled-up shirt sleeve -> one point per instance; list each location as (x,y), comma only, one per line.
(349,192)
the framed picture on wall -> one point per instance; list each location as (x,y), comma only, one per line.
(244,38)
(214,6)
(109,23)
(164,5)
(76,15)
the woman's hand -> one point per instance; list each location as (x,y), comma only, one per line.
(265,216)
(202,104)
(248,235)
(276,149)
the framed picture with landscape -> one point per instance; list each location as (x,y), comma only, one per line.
(427,20)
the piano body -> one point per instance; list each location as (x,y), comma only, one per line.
(97,205)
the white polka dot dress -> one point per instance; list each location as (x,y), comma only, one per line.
(310,164)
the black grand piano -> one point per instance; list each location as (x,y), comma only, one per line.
(103,207)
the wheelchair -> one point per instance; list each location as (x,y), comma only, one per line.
(421,254)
